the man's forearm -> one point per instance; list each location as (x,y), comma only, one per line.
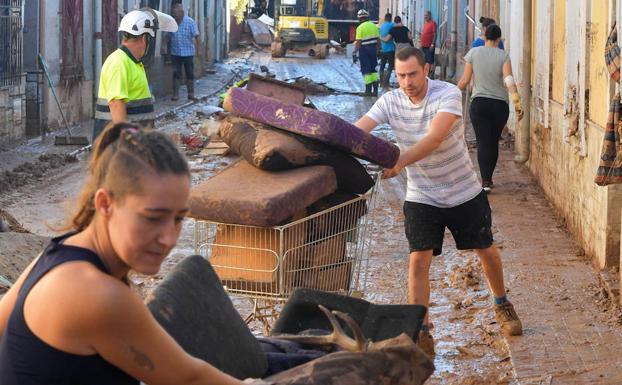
(419,151)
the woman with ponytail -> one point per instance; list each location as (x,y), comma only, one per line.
(71,318)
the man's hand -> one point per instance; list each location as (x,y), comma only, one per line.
(390,172)
(395,170)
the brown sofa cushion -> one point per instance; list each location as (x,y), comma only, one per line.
(272,149)
(246,195)
(318,125)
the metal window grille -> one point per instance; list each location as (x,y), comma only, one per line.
(10,42)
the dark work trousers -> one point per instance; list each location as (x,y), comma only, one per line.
(488,116)
(188,64)
(387,59)
(429,54)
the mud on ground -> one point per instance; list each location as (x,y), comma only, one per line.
(30,171)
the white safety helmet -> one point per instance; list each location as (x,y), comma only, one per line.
(147,20)
(362,13)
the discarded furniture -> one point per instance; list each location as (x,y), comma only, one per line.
(192,306)
(325,250)
(377,322)
(272,149)
(243,194)
(276,89)
(314,124)
(393,361)
(260,31)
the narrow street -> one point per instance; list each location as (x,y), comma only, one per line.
(571,328)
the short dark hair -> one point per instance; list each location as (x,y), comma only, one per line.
(493,32)
(486,21)
(397,20)
(408,52)
(388,16)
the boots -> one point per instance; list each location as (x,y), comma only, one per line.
(190,85)
(368,88)
(175,89)
(374,87)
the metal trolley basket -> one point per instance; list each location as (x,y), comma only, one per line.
(327,250)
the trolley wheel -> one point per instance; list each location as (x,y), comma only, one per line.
(277,49)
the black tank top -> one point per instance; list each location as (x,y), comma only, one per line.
(27,360)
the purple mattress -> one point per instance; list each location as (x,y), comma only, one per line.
(246,195)
(318,125)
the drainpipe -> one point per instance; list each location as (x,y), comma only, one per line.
(453,53)
(523,130)
(98,45)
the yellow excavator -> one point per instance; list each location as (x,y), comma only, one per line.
(300,25)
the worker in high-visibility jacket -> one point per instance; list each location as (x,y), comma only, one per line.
(367,45)
(124,93)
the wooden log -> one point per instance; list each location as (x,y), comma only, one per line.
(272,149)
(314,124)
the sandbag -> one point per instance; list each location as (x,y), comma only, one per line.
(192,306)
(246,195)
(318,125)
(274,150)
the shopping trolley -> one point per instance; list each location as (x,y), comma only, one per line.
(327,250)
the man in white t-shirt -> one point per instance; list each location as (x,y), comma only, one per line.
(443,189)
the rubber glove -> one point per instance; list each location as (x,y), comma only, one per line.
(518,107)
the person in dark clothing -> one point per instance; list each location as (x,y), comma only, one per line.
(480,41)
(387,55)
(400,34)
(71,317)
(489,109)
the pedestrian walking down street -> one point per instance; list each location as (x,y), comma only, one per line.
(480,41)
(400,34)
(71,317)
(183,44)
(367,45)
(442,188)
(489,109)
(124,93)
(387,55)
(428,40)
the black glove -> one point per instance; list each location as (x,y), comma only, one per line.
(355,58)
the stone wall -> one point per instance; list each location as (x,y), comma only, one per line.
(12,114)
(591,213)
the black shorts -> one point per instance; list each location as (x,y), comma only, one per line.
(470,224)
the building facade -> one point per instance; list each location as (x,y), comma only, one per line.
(74,37)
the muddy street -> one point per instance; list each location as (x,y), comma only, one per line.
(470,348)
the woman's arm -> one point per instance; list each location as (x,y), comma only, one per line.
(116,323)
(466,76)
(508,80)
(387,38)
